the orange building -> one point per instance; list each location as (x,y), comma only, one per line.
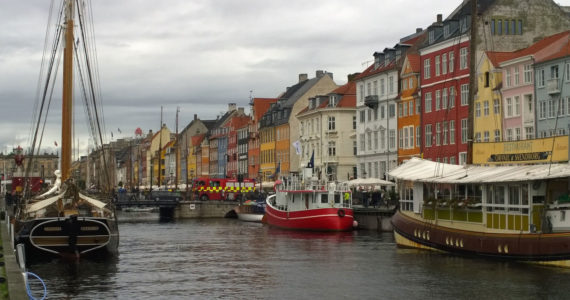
(409,130)
(259,106)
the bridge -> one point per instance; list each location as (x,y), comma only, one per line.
(166,201)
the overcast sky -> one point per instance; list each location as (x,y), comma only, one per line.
(200,54)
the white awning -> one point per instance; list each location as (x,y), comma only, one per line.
(417,169)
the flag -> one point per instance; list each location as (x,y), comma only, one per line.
(119,130)
(297,146)
(311,163)
(55,143)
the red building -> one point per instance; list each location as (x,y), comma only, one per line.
(444,78)
(233,125)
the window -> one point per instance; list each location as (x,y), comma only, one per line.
(567,71)
(464,94)
(437,133)
(444,63)
(486,108)
(519,27)
(426,69)
(375,140)
(478,137)
(427,104)
(451,61)
(375,87)
(383,139)
(444,99)
(362,116)
(452,132)
(375,113)
(551,111)
(362,143)
(509,107)
(437,65)
(382,113)
(445,132)
(517,76)
(542,110)
(487,79)
(354,149)
(508,78)
(418,107)
(391,84)
(497,135)
(411,136)
(392,110)
(418,136)
(437,100)
(428,135)
(486,136)
(554,72)
(496,107)
(517,106)
(463,58)
(528,74)
(382,86)
(369,115)
(392,138)
(463,131)
(332,125)
(451,97)
(410,108)
(332,149)
(477,109)
(509,134)
(462,158)
(353,122)
(405,110)
(493,26)
(401,138)
(540,78)
(369,89)
(369,140)
(499,27)
(452,160)
(400,109)
(518,134)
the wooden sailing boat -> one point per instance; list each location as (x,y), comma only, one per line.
(505,212)
(64,222)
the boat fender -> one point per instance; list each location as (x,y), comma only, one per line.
(341,212)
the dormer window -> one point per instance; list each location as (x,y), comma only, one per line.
(431,36)
(398,54)
(446,31)
(332,101)
(387,61)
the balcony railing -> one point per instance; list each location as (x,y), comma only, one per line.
(552,86)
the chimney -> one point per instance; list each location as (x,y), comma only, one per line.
(418,30)
(439,18)
(320,73)
(231,107)
(195,117)
(241,111)
(351,77)
(303,77)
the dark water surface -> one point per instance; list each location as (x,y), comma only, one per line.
(229,259)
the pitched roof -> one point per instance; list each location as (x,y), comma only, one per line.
(261,106)
(414,60)
(347,95)
(564,51)
(197,139)
(547,42)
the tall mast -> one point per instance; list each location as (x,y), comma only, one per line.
(67,101)
(160,150)
(472,80)
(176,154)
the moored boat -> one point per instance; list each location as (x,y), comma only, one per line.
(250,211)
(507,212)
(63,221)
(307,205)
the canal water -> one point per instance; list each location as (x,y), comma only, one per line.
(229,259)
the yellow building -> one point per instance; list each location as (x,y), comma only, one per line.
(267,151)
(487,116)
(158,141)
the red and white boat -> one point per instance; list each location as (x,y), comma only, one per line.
(307,205)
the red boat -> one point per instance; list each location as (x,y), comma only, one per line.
(301,205)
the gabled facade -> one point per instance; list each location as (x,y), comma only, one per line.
(328,128)
(487,119)
(552,89)
(409,127)
(196,127)
(376,110)
(259,107)
(154,154)
(236,123)
(279,128)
